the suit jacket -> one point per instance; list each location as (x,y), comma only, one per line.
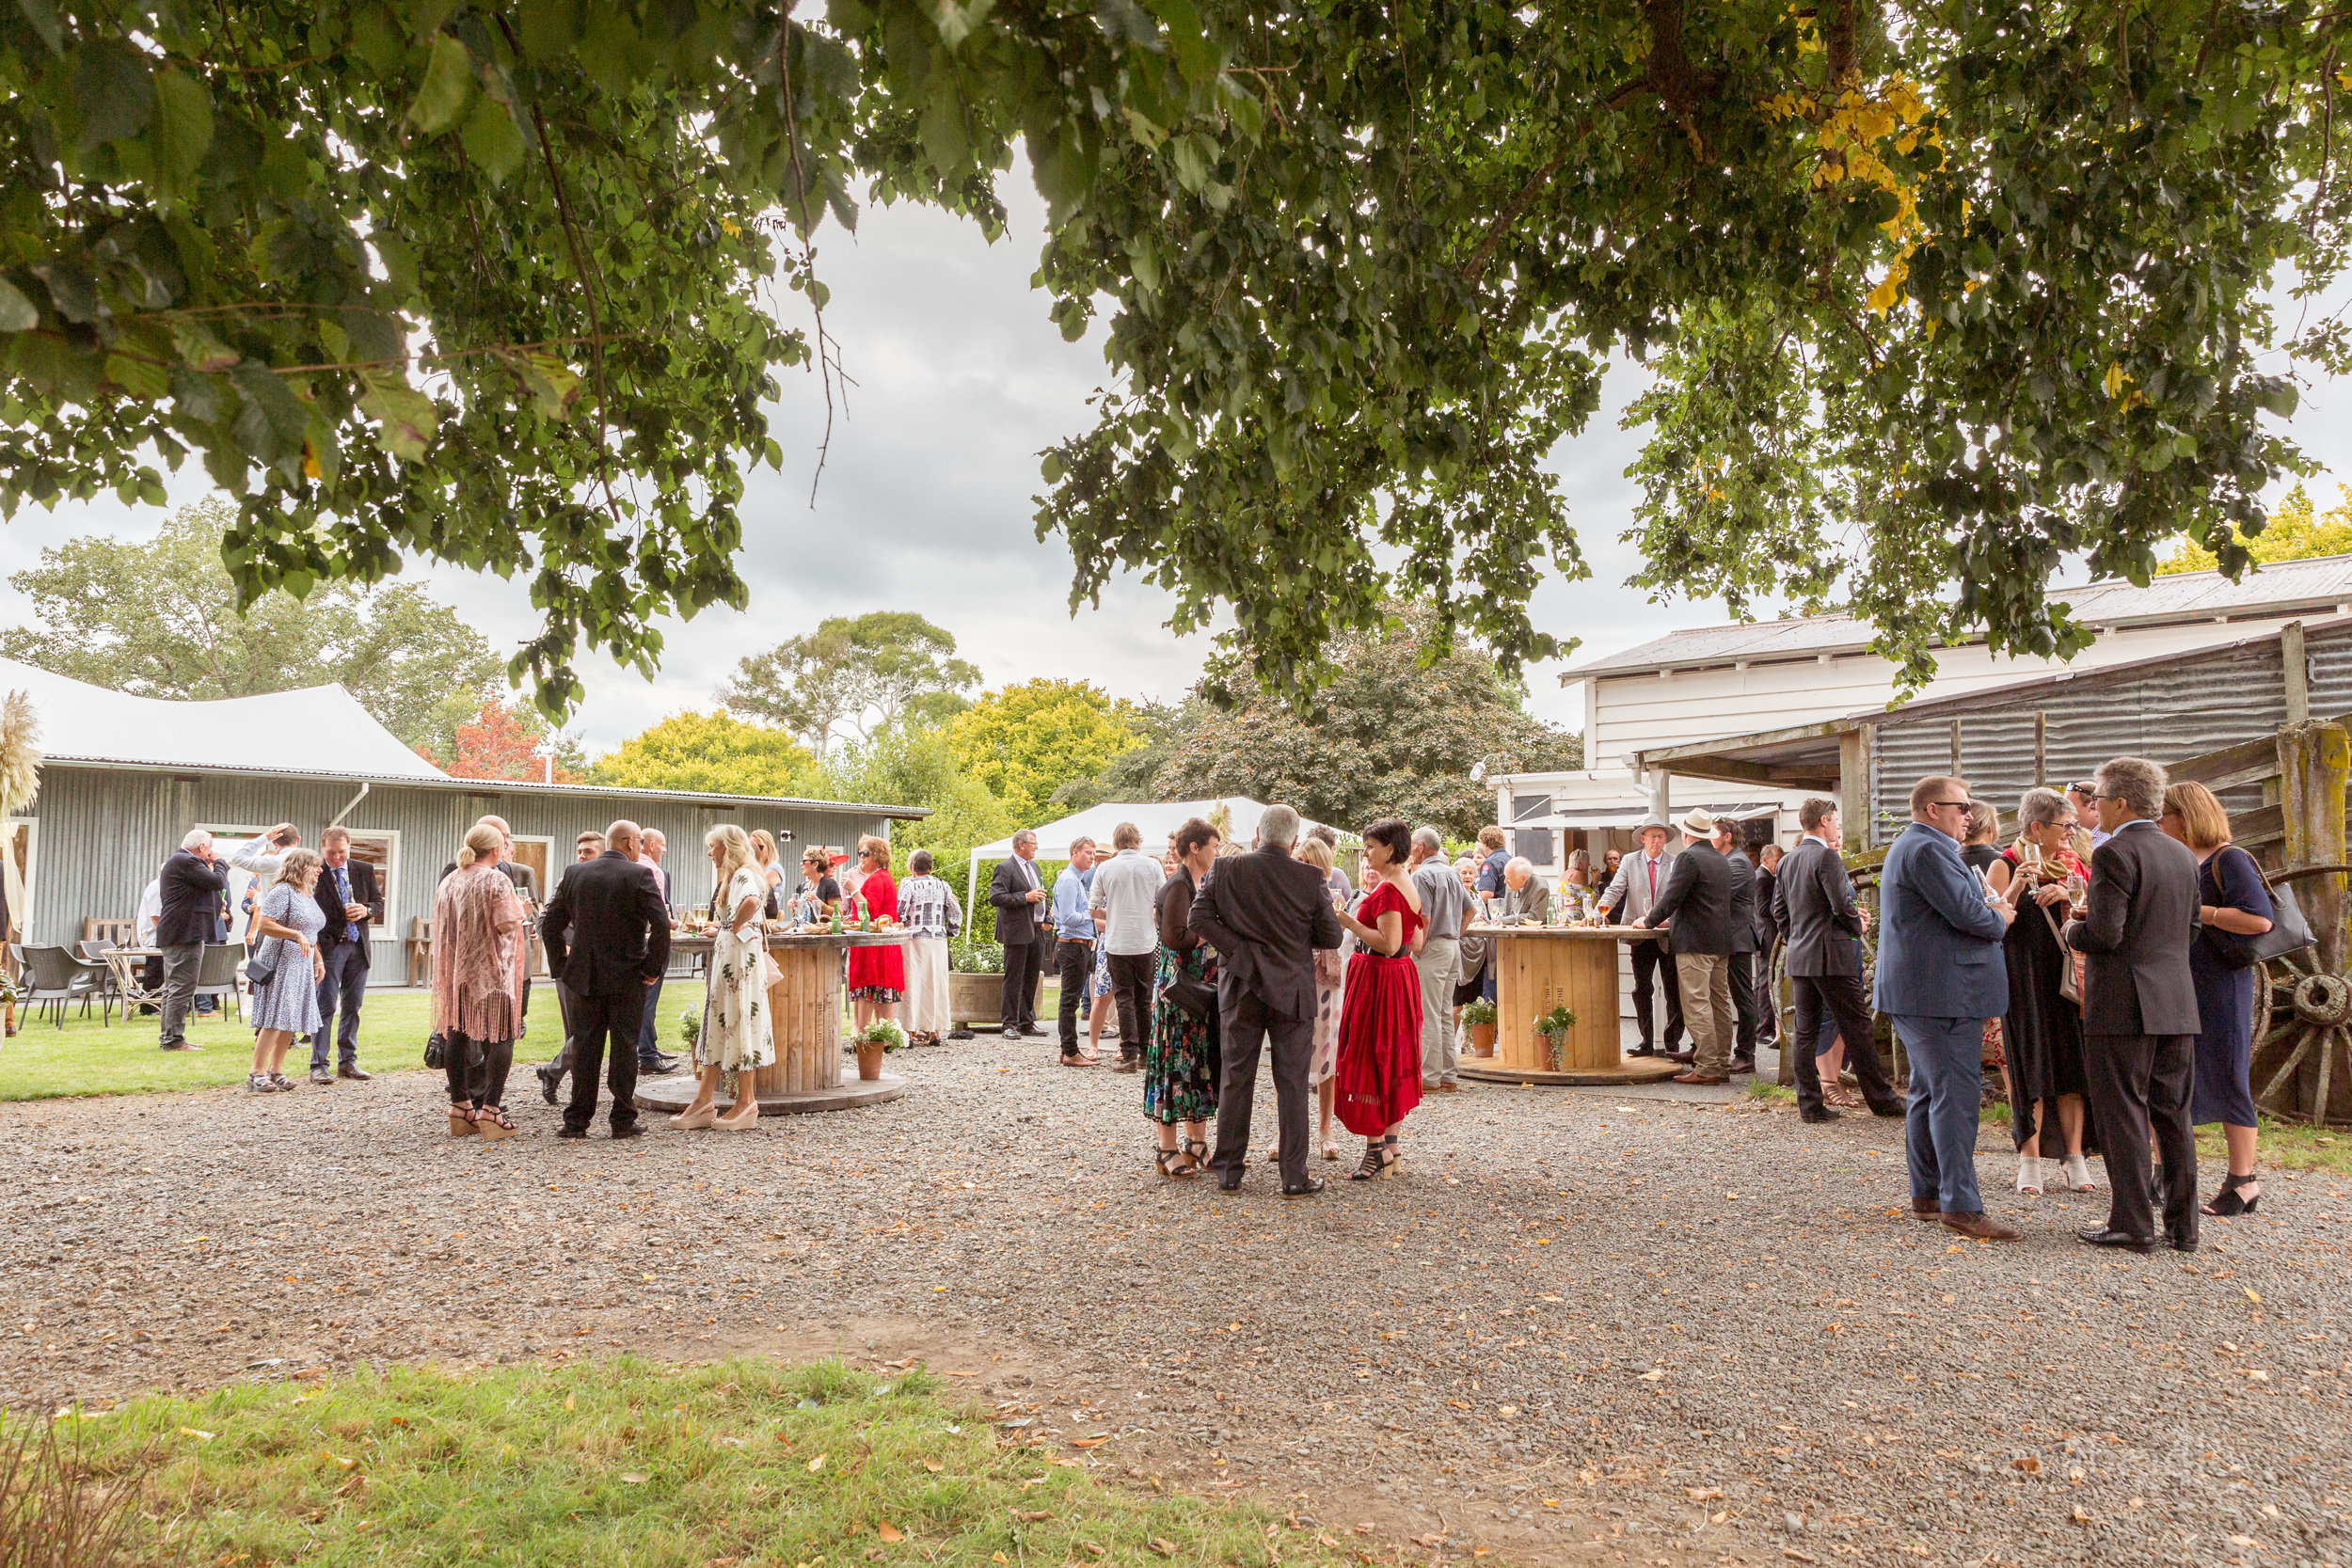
(363,890)
(1767,909)
(1695,905)
(2142,918)
(1628,892)
(1525,905)
(191,889)
(1743,897)
(1939,942)
(1812,903)
(1008,890)
(1266,914)
(606,928)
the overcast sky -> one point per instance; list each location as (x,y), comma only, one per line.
(926,498)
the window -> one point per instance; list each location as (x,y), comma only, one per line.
(382,851)
(1534,843)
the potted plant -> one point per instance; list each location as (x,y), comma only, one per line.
(872,1041)
(690,1027)
(1554,1026)
(1479,1019)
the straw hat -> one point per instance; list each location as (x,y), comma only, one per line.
(1699,822)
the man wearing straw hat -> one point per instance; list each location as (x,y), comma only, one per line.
(1695,907)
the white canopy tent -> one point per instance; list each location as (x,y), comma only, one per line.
(1158,820)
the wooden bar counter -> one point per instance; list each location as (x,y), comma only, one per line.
(805,1011)
(1538,967)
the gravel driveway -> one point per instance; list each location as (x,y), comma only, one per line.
(1585,1326)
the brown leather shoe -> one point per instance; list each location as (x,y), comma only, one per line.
(1981,1227)
(1926,1209)
(1700,1078)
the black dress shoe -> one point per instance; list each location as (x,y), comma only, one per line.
(1824,1113)
(320,1075)
(1228,1181)
(1890,1108)
(2181,1243)
(571,1132)
(1642,1051)
(656,1064)
(1742,1064)
(2104,1237)
(548,1082)
(631,1130)
(1308,1188)
(356,1073)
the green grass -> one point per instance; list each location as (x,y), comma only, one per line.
(85,1057)
(1762,1090)
(2283,1145)
(748,1464)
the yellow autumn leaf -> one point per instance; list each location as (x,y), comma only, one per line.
(1887,296)
(2252,1294)
(2115,380)
(817,1464)
(885,1531)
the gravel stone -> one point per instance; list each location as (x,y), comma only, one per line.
(1612,1326)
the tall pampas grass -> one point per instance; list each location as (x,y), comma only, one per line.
(20,753)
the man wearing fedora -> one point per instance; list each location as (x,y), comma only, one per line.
(1695,907)
(1627,900)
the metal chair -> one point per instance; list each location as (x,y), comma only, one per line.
(56,977)
(217,974)
(95,953)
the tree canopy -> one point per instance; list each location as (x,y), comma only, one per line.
(508,740)
(1940,292)
(2295,531)
(160,619)
(857,674)
(1025,741)
(711,751)
(1396,732)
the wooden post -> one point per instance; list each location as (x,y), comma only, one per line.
(2295,669)
(1854,786)
(1956,768)
(2315,763)
(2040,749)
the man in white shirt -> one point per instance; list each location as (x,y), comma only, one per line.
(1445,904)
(1641,877)
(1125,887)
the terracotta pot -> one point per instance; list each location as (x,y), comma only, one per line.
(1555,1051)
(1482,1039)
(869,1060)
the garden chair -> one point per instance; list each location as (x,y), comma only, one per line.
(54,977)
(217,974)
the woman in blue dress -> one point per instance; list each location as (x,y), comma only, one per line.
(288,921)
(2232,899)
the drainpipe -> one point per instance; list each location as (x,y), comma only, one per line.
(350,804)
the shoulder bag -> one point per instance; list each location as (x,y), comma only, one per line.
(259,970)
(2289,931)
(2070,961)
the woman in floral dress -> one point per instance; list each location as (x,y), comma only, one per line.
(479,951)
(1180,1061)
(737,1036)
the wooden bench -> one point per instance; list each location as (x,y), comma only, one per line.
(420,951)
(120,933)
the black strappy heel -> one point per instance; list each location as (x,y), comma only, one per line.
(1381,1160)
(1198,1149)
(1395,1161)
(2226,1202)
(1174,1172)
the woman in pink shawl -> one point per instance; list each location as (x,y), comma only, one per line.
(478,957)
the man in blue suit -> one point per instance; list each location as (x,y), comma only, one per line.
(1941,976)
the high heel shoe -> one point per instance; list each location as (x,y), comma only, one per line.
(2078,1177)
(2226,1202)
(742,1119)
(2030,1174)
(461,1123)
(490,1124)
(695,1116)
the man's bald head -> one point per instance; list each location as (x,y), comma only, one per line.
(623,836)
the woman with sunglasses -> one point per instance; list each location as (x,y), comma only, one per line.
(818,894)
(878,977)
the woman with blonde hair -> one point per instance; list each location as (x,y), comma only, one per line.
(2234,903)
(771,869)
(288,920)
(737,1034)
(479,950)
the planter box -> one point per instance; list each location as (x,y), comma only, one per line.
(978,998)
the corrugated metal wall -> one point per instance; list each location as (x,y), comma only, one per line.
(2174,711)
(103,833)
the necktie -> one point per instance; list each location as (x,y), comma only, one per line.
(1653,881)
(343,889)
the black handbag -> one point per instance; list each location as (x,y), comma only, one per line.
(260,972)
(2289,933)
(1198,998)
(436,1049)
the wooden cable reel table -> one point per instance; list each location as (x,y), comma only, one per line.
(804,1013)
(1538,967)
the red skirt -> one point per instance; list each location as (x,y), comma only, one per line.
(878,966)
(1378,1073)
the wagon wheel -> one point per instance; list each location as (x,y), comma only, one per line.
(2302,1017)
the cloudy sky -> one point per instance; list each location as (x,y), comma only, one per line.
(925,502)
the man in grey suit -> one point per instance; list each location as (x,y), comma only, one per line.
(1814,903)
(1641,877)
(1941,975)
(1266,914)
(2139,1006)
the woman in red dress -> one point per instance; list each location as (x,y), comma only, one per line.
(1379,1049)
(878,975)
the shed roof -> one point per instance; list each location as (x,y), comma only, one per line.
(2282,587)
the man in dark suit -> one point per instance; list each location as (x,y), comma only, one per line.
(1815,906)
(1266,914)
(608,940)
(1747,1009)
(1768,934)
(1941,975)
(1024,930)
(192,882)
(2139,1006)
(1695,908)
(351,901)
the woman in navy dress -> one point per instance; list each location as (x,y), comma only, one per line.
(2231,898)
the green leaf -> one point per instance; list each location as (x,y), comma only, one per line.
(200,348)
(942,133)
(1197,56)
(17,313)
(184,123)
(553,385)
(141,378)
(492,140)
(406,418)
(269,427)
(448,79)
(1124,22)
(43,16)
(114,89)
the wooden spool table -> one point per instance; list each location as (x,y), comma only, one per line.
(805,1011)
(1538,967)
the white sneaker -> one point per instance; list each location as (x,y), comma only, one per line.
(2029,1173)
(2078,1175)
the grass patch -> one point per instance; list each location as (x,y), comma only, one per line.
(1774,1092)
(85,1057)
(2282,1146)
(748,1464)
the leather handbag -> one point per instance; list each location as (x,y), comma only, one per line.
(2070,977)
(260,972)
(2289,933)
(1196,997)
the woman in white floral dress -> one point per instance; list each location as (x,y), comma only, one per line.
(737,1036)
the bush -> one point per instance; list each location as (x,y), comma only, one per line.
(965,957)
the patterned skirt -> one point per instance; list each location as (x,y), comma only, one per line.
(1181,1059)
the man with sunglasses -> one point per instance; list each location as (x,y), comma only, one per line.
(1941,975)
